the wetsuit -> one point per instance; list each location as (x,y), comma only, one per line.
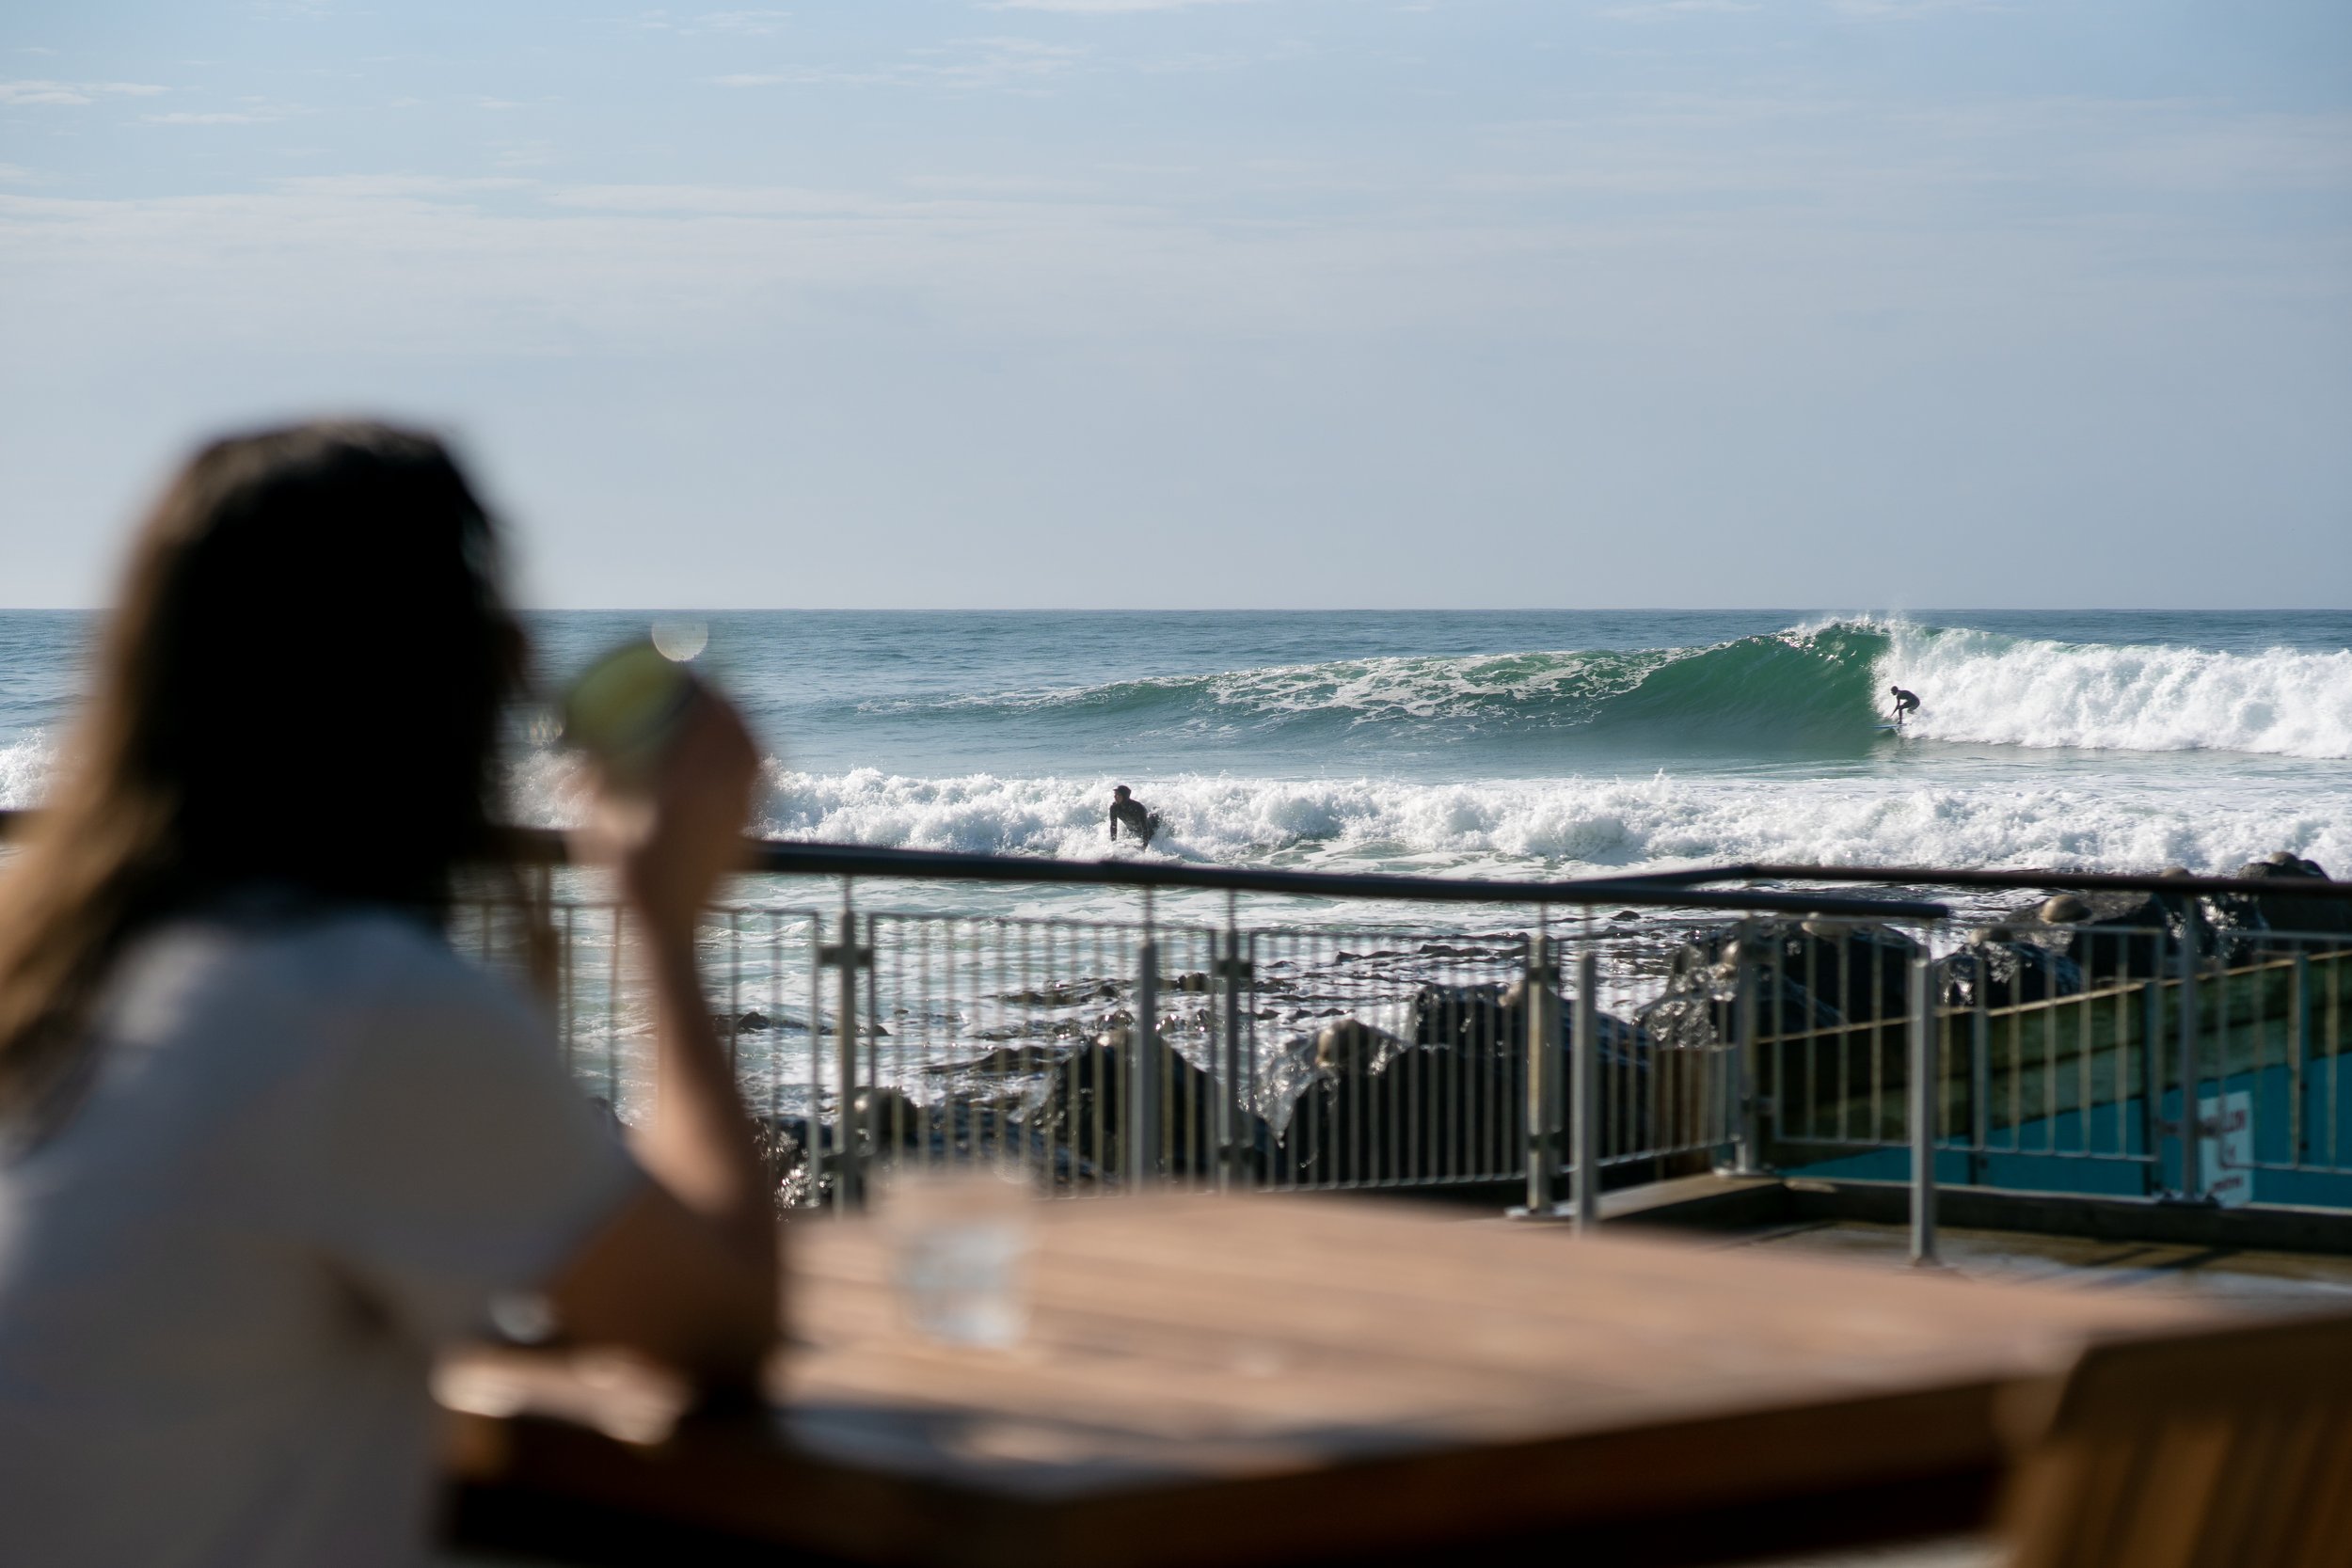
(1905,702)
(1141,823)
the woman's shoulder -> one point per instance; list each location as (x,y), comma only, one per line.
(343,960)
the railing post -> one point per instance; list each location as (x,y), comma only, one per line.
(1747,1149)
(1233,971)
(1143,1081)
(1584,1092)
(1925,1072)
(2191,1122)
(1544,1075)
(847,956)
(1980,1088)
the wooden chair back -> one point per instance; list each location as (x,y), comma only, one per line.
(2223,1449)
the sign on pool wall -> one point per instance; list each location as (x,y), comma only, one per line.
(2225,1148)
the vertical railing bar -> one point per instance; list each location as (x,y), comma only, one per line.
(735,992)
(874,1044)
(775,1021)
(848,1146)
(2189,1133)
(2299,1051)
(568,978)
(2088,1086)
(1143,1117)
(1923,1075)
(613,1021)
(1811,1042)
(1980,1074)
(1583,1094)
(1742,1079)
(817,1049)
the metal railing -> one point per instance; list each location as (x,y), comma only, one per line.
(2185,1039)
(1749,1029)
(1112,1053)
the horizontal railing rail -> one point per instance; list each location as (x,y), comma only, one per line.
(782,857)
(2051,882)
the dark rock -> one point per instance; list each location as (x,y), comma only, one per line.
(1355,1103)
(1423,1111)
(752,1022)
(1008,1061)
(2116,936)
(889,1118)
(2291,915)
(1082,1106)
(1469,1017)
(1865,967)
(1353,1046)
(2002,973)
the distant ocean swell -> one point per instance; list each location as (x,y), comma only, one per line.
(1572,823)
(1823,684)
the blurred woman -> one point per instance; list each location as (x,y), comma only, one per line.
(265,1142)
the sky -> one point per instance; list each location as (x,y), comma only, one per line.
(1218,303)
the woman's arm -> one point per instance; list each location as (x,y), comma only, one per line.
(689,1269)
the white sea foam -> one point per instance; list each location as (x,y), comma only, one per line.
(1575,824)
(24,766)
(1977,686)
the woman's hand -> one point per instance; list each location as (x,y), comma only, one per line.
(670,838)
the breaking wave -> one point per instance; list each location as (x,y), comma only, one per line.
(1819,685)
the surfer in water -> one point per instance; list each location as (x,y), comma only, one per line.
(1905,702)
(1142,824)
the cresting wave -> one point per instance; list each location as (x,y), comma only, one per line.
(1980,686)
(1569,825)
(1808,686)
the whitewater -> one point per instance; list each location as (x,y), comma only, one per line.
(1481,744)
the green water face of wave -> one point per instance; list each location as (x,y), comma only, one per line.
(1805,685)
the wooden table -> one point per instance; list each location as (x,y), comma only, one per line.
(1272,1380)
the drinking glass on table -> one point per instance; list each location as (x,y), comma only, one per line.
(958,1238)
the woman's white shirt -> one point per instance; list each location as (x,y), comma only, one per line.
(311,1152)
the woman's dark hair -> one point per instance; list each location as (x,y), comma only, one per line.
(301,685)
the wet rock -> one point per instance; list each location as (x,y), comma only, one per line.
(1082,1105)
(1414,1111)
(889,1118)
(1467,1018)
(1700,1006)
(2291,915)
(1004,1061)
(1353,1046)
(1999,973)
(1355,1103)
(1622,1044)
(2115,936)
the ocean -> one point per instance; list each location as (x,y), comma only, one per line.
(1505,743)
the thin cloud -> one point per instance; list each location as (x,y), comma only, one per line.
(991,64)
(1885,11)
(1666,10)
(1104,8)
(746,23)
(216,117)
(74,92)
